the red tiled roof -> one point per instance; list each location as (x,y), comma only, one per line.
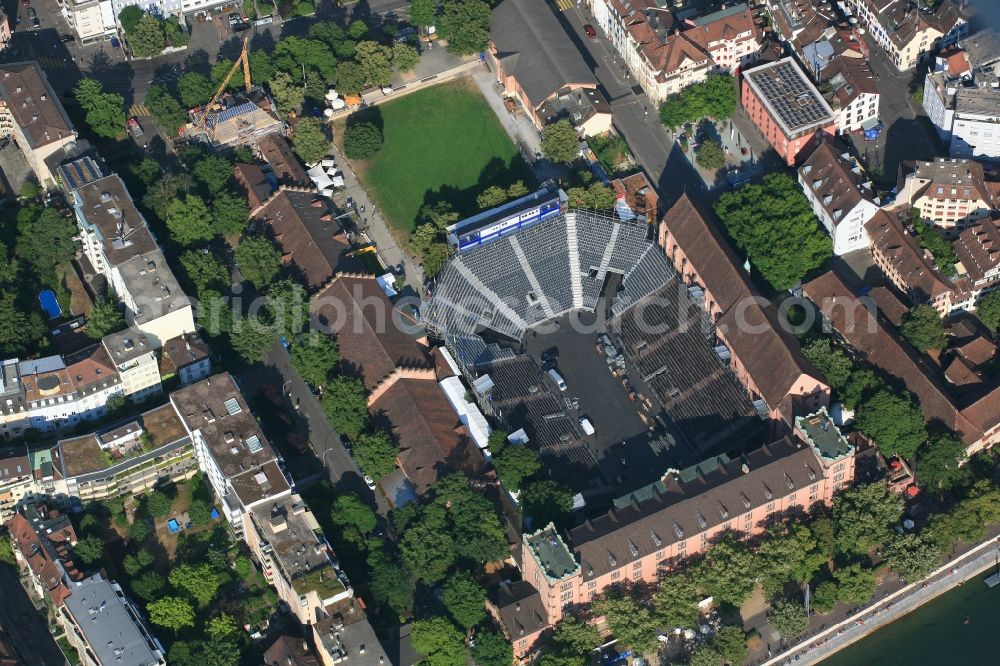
(889,237)
(978,248)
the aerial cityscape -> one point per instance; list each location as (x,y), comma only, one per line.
(499,332)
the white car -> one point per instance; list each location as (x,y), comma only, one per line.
(370,482)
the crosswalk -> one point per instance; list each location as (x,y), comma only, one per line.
(49,63)
(564,5)
(139,110)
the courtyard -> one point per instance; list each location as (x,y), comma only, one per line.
(443,143)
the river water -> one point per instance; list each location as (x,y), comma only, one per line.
(936,633)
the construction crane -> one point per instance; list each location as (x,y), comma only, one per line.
(243,60)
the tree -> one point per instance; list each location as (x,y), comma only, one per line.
(715,97)
(213,313)
(200,581)
(174,33)
(632,623)
(361,141)
(310,140)
(894,422)
(560,142)
(676,601)
(214,173)
(855,584)
(492,649)
(251,339)
(471,519)
(710,155)
(391,585)
(171,612)
(258,260)
(491,197)
(831,361)
(374,452)
(517,189)
(148,586)
(924,328)
(105,111)
(305,8)
(789,617)
(314,357)
(423,13)
(288,92)
(292,53)
(44,239)
(466,25)
(148,38)
(404,57)
(788,553)
(376,60)
(222,627)
(104,318)
(148,171)
(515,465)
(439,641)
(576,637)
(288,305)
(824,599)
(731,643)
(15,332)
(89,549)
(546,501)
(350,78)
(597,196)
(464,599)
(204,270)
(166,110)
(860,387)
(349,511)
(774,224)
(357,29)
(427,548)
(705,655)
(863,517)
(158,504)
(195,89)
(939,462)
(133,564)
(189,221)
(129,18)
(729,570)
(243,567)
(988,310)
(261,66)
(912,557)
(945,257)
(346,405)
(138,531)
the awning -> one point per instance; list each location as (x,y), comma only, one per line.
(870,123)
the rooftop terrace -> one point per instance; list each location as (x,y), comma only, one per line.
(821,432)
(551,553)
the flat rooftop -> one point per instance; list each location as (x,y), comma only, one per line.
(790,98)
(299,547)
(153,286)
(555,558)
(820,431)
(110,624)
(109,211)
(978,101)
(33,104)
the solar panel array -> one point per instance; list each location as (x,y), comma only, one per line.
(790,95)
(542,272)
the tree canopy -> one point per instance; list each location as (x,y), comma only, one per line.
(774,224)
(560,141)
(361,141)
(988,310)
(466,25)
(166,110)
(632,623)
(492,649)
(148,38)
(310,140)
(789,617)
(259,261)
(105,111)
(715,97)
(439,641)
(864,517)
(676,600)
(464,599)
(911,557)
(346,405)
(189,221)
(199,581)
(893,421)
(375,453)
(350,511)
(710,155)
(195,89)
(250,338)
(515,464)
(855,583)
(171,612)
(547,501)
(924,328)
(229,214)
(729,571)
(939,462)
(314,356)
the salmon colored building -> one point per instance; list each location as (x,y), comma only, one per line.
(786,107)
(765,357)
(659,527)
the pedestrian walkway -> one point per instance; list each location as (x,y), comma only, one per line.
(139,110)
(50,62)
(564,5)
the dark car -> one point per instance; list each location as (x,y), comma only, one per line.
(115,44)
(66,38)
(589,29)
(35,23)
(550,355)
(32,13)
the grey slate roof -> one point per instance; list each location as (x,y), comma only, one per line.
(534,48)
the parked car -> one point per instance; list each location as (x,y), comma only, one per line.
(589,29)
(369,482)
(133,126)
(32,13)
(115,44)
(235,18)
(35,24)
(66,38)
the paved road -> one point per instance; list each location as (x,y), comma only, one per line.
(25,626)
(323,440)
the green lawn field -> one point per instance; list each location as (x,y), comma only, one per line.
(442,143)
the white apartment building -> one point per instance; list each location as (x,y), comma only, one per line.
(839,196)
(137,363)
(92,20)
(53,393)
(31,113)
(729,36)
(15,479)
(230,448)
(951,194)
(855,94)
(908,30)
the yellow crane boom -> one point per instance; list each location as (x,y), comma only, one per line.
(244,61)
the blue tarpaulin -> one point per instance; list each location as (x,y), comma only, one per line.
(47,299)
